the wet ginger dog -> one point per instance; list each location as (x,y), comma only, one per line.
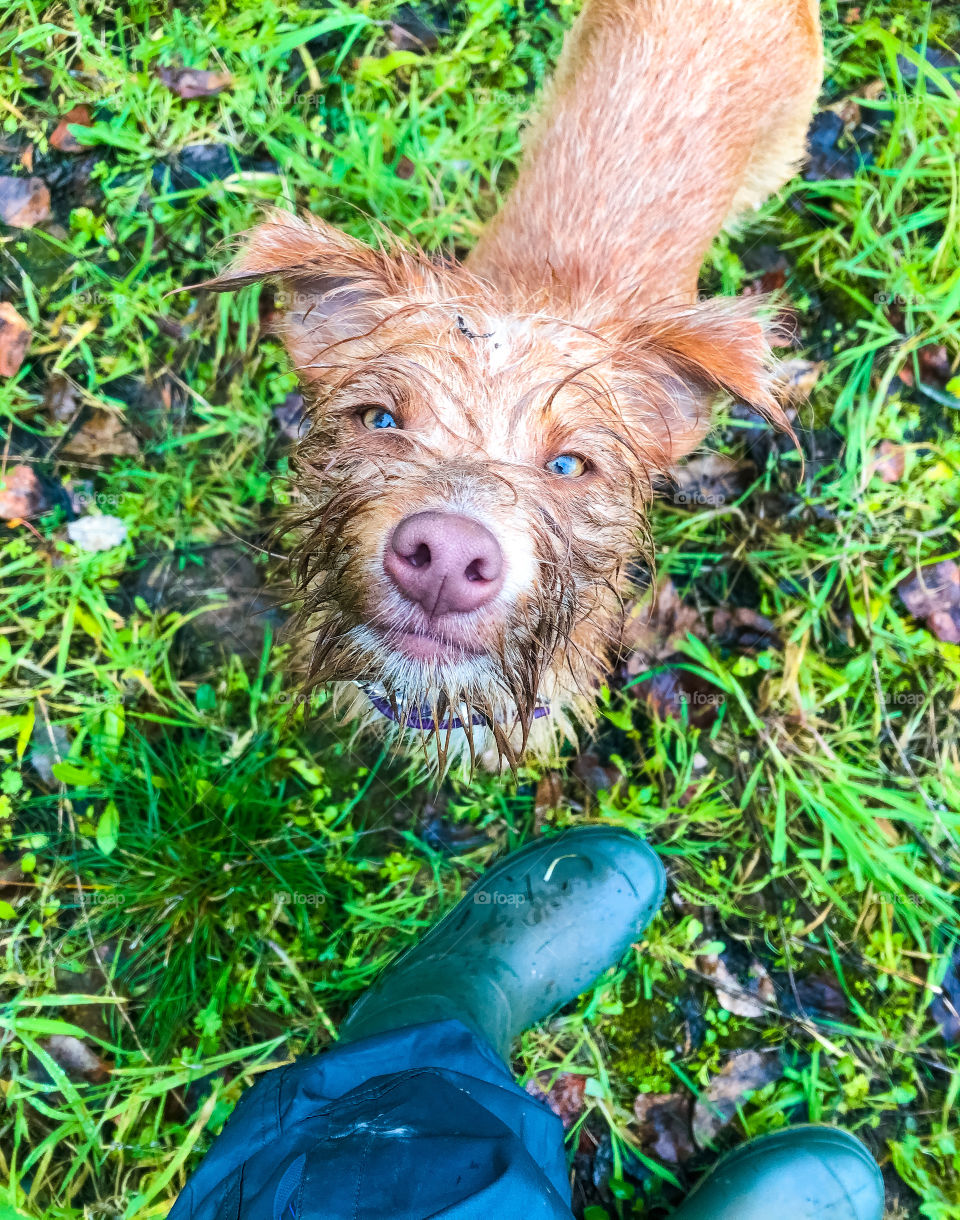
(486,436)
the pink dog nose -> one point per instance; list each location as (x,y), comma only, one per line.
(445,563)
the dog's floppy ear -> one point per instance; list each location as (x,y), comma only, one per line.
(330,284)
(682,358)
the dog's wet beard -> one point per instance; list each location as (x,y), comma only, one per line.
(502,689)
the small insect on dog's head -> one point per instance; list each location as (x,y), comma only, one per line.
(477,473)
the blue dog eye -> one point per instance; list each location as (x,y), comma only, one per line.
(378,417)
(567,465)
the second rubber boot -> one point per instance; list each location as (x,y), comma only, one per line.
(800,1173)
(533,932)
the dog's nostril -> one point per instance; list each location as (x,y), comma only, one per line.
(473,571)
(420,557)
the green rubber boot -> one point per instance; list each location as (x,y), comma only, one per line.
(800,1173)
(532,933)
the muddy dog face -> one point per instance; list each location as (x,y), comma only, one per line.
(476,477)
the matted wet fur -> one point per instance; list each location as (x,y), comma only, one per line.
(545,385)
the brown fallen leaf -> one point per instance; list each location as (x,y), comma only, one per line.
(673,692)
(549,793)
(405,168)
(655,625)
(737,1079)
(935,363)
(663,1121)
(26,158)
(747,998)
(62,138)
(796,379)
(194,82)
(848,111)
(21,495)
(24,202)
(821,992)
(14,340)
(78,1060)
(409,32)
(931,588)
(61,399)
(710,480)
(564,1096)
(945,625)
(103,433)
(905,375)
(888,462)
(653,630)
(594,776)
(745,630)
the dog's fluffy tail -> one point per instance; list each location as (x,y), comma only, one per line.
(665,121)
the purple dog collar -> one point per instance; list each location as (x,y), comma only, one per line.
(416,719)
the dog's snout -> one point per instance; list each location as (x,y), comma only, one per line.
(444,562)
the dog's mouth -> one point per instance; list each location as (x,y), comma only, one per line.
(409,714)
(430,646)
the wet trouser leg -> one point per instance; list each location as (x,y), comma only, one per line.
(422,1121)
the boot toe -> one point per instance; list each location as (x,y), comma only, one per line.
(811,1172)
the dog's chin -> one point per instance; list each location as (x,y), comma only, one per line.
(419,680)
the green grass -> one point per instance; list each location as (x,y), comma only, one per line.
(813,826)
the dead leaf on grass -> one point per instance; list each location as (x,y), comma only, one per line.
(663,1121)
(673,692)
(62,138)
(932,594)
(744,630)
(24,202)
(796,379)
(737,1079)
(888,462)
(655,626)
(820,992)
(14,340)
(653,630)
(931,588)
(565,1096)
(410,32)
(61,399)
(935,362)
(194,82)
(103,433)
(21,495)
(79,1060)
(749,997)
(549,793)
(592,773)
(710,480)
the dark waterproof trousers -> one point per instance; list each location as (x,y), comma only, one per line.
(422,1121)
